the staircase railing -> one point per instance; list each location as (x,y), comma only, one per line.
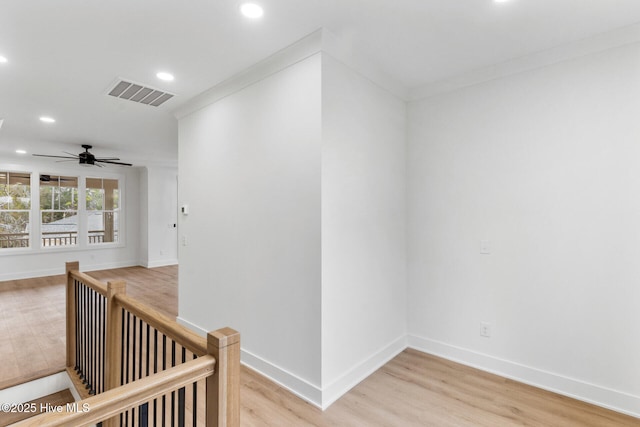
(135,366)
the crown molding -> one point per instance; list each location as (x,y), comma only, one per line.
(296,52)
(601,42)
(320,40)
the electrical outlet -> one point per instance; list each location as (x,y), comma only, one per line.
(485,329)
(184,240)
(485,249)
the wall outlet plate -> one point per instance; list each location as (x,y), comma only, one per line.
(485,329)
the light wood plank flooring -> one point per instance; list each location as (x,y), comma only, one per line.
(32,317)
(414,389)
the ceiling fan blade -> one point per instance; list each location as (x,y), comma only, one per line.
(114,163)
(71,154)
(67,160)
(58,157)
(102,159)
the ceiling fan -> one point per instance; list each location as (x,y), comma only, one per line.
(86,158)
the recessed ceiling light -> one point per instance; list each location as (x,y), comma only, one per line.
(47,119)
(500,1)
(167,77)
(3,59)
(251,10)
(21,152)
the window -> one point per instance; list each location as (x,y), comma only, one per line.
(103,209)
(15,209)
(59,210)
(73,212)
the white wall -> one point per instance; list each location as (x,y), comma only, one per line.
(363,227)
(295,187)
(250,173)
(37,262)
(543,165)
(159,210)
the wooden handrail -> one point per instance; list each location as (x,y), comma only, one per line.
(221,347)
(89,281)
(116,401)
(180,334)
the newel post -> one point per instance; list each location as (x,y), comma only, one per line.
(70,292)
(223,387)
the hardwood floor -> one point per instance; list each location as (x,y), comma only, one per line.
(31,329)
(414,389)
(32,317)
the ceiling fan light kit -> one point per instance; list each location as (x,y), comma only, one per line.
(88,159)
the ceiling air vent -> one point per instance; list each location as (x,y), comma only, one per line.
(138,93)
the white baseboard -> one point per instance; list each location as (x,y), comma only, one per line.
(30,274)
(195,328)
(576,389)
(317,396)
(18,275)
(107,266)
(160,263)
(338,387)
(296,385)
(325,396)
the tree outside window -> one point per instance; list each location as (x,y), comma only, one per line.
(59,210)
(103,208)
(15,209)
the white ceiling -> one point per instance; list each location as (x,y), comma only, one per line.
(63,55)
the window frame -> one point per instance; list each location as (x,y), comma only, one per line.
(116,211)
(35,230)
(29,211)
(43,211)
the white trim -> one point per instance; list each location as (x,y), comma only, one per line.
(161,263)
(323,397)
(82,245)
(296,52)
(195,328)
(36,389)
(599,43)
(60,270)
(296,385)
(571,387)
(341,385)
(318,41)
(342,51)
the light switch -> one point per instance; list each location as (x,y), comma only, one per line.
(484,247)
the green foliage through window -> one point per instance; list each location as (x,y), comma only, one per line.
(59,210)
(15,205)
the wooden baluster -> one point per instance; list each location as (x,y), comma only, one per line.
(71,314)
(112,360)
(223,387)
